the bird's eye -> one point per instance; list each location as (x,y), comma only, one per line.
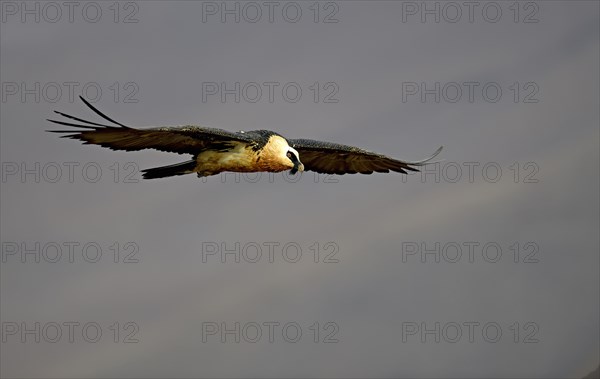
(289,154)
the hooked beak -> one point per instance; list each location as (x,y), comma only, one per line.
(298,166)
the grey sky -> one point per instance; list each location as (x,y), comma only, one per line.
(542,133)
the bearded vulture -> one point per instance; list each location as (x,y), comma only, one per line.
(215,150)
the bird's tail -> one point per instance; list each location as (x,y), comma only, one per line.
(171,170)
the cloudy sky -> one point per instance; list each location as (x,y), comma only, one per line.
(485,265)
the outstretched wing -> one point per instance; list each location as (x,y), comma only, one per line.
(177,139)
(333,158)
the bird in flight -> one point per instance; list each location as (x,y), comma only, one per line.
(215,150)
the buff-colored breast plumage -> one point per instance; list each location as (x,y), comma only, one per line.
(243,158)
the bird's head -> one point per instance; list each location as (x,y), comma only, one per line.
(282,155)
(294,157)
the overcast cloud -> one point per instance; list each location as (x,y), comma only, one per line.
(487,265)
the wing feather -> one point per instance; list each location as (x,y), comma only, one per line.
(176,139)
(334,158)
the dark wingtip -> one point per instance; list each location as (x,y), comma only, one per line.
(423,162)
(435,154)
(101,114)
(427,160)
(73,125)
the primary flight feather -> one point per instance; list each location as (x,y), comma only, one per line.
(215,150)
